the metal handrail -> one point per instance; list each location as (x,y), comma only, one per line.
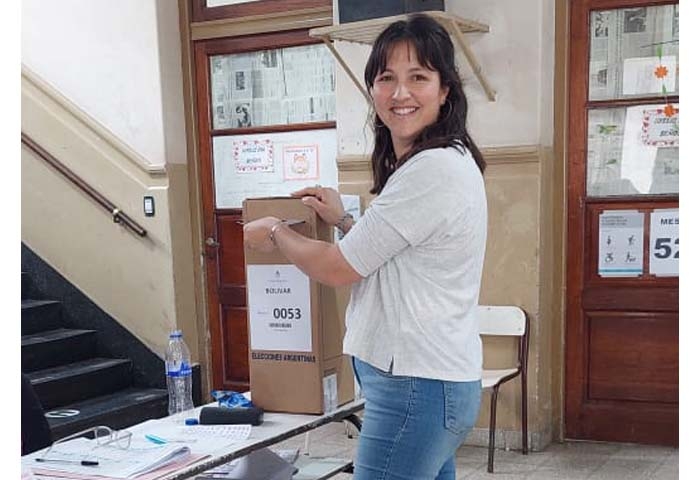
(117,215)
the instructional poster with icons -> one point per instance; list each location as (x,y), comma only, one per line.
(273,164)
(620,243)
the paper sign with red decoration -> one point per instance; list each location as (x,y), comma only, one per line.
(253,156)
(659,129)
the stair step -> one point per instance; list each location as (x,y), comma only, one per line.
(77,381)
(117,410)
(41,315)
(55,347)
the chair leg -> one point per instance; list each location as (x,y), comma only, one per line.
(523,399)
(492,428)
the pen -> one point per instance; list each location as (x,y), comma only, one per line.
(84,463)
(162,441)
(155,439)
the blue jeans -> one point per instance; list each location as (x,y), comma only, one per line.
(412,426)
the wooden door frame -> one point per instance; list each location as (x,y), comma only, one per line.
(577,126)
(202,50)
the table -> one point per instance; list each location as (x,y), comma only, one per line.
(275,428)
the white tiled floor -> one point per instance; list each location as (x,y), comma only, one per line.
(559,461)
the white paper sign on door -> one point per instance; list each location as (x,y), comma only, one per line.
(620,243)
(663,243)
(279,308)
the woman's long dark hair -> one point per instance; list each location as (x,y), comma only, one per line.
(435,52)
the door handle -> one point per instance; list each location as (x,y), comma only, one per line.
(210,242)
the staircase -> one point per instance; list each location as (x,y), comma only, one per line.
(80,382)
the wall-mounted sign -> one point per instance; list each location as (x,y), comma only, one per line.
(279,307)
(620,243)
(663,243)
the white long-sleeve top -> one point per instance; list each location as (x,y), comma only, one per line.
(420,250)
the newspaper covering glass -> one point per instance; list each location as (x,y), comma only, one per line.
(632,151)
(625,44)
(273,87)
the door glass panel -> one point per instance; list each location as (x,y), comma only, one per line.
(273,87)
(633,52)
(272,164)
(633,150)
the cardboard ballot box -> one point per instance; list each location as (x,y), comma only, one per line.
(295,325)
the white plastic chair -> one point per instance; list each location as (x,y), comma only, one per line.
(505,321)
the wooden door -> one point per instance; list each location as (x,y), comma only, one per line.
(622,247)
(248,105)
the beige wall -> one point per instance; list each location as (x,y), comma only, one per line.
(119,62)
(511,278)
(144,283)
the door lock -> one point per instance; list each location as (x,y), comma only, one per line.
(210,242)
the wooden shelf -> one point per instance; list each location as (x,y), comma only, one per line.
(366,31)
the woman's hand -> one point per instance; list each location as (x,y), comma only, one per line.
(325,201)
(256,234)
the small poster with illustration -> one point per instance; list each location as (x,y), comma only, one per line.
(253,156)
(300,162)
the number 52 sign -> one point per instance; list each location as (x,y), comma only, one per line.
(663,243)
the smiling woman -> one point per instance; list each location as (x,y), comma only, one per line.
(414,259)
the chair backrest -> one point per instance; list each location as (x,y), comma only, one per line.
(501,320)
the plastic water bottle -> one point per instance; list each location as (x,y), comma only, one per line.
(178,371)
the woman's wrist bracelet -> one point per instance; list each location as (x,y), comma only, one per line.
(340,224)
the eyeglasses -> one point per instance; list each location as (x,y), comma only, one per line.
(102,436)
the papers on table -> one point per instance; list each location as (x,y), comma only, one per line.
(159,473)
(143,460)
(227,433)
(201,439)
(140,458)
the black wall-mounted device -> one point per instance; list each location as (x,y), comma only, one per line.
(149,206)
